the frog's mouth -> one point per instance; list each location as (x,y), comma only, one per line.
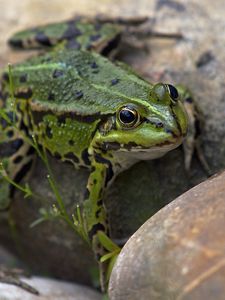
(152,152)
(144,153)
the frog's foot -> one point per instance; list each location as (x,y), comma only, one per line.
(12,276)
(135,43)
(192,141)
(139,27)
(130,21)
(143,32)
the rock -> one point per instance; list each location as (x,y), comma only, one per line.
(49,289)
(179,253)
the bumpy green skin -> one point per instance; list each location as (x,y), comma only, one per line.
(80,33)
(71,99)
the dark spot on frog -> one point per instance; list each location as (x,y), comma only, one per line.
(171,4)
(86,119)
(109,170)
(12,116)
(10,133)
(23,78)
(100,202)
(48,132)
(95,37)
(85,157)
(93,169)
(98,26)
(26,94)
(95,181)
(57,73)
(30,151)
(18,159)
(114,81)
(3,123)
(71,142)
(204,59)
(78,94)
(111,146)
(109,174)
(9,148)
(5,77)
(71,31)
(101,159)
(72,156)
(94,65)
(43,39)
(16,43)
(51,97)
(97,213)
(61,120)
(130,145)
(23,127)
(73,44)
(95,229)
(17,144)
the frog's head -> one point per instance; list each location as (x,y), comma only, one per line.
(146,128)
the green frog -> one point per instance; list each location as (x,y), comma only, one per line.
(85,109)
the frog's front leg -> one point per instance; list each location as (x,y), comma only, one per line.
(192,141)
(94,212)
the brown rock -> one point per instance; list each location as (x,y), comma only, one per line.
(179,253)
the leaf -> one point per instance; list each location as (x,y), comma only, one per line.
(106,242)
(5,116)
(37,222)
(28,190)
(107,256)
(110,267)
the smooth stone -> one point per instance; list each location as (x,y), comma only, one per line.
(49,289)
(179,253)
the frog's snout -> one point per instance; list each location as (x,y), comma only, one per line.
(177,124)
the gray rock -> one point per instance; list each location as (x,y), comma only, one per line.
(49,289)
(179,253)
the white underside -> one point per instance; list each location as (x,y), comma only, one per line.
(127,158)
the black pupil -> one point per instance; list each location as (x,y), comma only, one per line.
(126,116)
(173,92)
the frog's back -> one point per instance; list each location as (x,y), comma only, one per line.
(64,95)
(78,33)
(79,82)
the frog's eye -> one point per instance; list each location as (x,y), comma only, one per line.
(173,92)
(128,116)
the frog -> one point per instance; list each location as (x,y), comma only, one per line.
(88,110)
